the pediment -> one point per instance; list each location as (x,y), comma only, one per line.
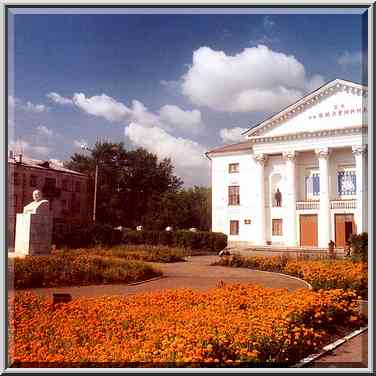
(338,104)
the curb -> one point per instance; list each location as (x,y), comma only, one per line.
(328,348)
(146,280)
(286,275)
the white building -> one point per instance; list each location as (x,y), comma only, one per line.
(315,153)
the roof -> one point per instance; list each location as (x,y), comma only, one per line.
(241,146)
(42,165)
(299,105)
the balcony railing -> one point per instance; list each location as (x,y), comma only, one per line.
(307,205)
(343,204)
(334,204)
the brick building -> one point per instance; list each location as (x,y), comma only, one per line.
(65,189)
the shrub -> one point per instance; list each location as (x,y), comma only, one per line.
(200,240)
(359,246)
(71,269)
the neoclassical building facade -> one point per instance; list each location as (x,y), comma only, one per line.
(299,178)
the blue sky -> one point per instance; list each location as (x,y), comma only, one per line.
(176,84)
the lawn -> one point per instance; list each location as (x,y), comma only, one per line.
(234,325)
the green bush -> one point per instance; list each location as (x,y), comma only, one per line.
(359,246)
(200,240)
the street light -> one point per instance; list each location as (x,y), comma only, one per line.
(85,147)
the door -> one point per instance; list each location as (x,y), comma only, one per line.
(344,228)
(308,230)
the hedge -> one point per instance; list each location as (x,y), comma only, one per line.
(93,234)
(359,246)
(213,241)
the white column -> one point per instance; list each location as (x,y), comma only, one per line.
(324,213)
(289,199)
(261,233)
(361,213)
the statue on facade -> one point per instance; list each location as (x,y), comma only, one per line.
(278,197)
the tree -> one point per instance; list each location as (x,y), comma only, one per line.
(181,209)
(127,181)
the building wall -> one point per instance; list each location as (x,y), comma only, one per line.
(68,206)
(275,176)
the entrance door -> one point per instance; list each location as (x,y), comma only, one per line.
(345,227)
(308,230)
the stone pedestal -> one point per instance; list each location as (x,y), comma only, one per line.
(34,230)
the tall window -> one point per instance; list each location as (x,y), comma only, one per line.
(233,168)
(50,183)
(78,186)
(312,183)
(33,180)
(277,226)
(16,179)
(234,227)
(346,182)
(64,185)
(233,195)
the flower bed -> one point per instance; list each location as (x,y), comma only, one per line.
(76,269)
(236,325)
(321,274)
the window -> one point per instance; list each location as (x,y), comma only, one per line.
(233,168)
(50,183)
(277,226)
(346,182)
(15,201)
(78,186)
(312,184)
(233,195)
(64,185)
(33,181)
(234,227)
(64,204)
(16,179)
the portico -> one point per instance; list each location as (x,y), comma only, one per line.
(315,154)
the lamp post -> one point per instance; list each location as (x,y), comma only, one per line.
(85,147)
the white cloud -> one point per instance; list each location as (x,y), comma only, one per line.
(269,23)
(30,107)
(17,103)
(350,58)
(186,155)
(28,149)
(256,79)
(57,98)
(79,143)
(232,134)
(185,120)
(44,130)
(102,106)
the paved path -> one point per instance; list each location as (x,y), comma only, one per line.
(196,273)
(351,354)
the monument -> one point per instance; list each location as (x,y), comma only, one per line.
(34,227)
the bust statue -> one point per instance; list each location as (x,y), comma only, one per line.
(38,206)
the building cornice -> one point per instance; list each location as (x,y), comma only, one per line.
(301,105)
(309,135)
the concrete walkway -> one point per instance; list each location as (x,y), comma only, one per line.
(195,273)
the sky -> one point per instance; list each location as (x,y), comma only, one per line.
(177,85)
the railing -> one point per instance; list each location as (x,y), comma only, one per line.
(343,204)
(307,205)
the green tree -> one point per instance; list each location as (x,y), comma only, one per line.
(127,181)
(181,209)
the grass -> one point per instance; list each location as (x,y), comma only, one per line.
(71,269)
